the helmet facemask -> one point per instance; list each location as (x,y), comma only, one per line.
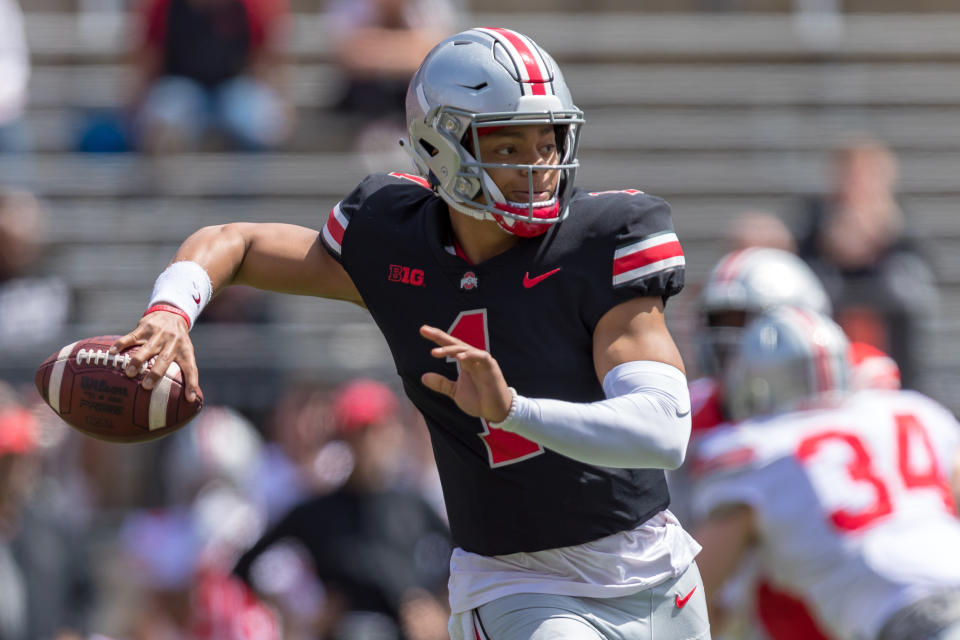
(480,79)
(445,151)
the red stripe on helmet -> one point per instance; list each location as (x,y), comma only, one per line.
(730,266)
(529,59)
(821,356)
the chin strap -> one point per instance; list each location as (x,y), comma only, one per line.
(508,223)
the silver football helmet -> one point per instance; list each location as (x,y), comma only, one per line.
(484,78)
(743,284)
(788,358)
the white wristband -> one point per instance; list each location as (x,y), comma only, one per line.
(185,285)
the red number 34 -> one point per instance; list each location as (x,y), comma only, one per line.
(910,433)
(502,446)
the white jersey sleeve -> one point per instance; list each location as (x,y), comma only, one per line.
(853,503)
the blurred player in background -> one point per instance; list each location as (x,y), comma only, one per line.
(554,487)
(845,497)
(742,285)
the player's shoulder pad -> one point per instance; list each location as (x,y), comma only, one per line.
(396,186)
(377,195)
(906,401)
(625,211)
(635,231)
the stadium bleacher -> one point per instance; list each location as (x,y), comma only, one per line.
(718,113)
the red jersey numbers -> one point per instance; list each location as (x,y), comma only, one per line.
(860,470)
(502,446)
(917,460)
(916,468)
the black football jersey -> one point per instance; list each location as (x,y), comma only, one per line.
(534,308)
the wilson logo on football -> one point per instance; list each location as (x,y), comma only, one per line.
(406,275)
(469,281)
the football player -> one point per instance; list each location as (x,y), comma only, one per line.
(743,284)
(844,496)
(740,286)
(526,320)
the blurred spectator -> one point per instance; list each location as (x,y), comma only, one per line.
(46,590)
(210,67)
(760,229)
(14,73)
(857,240)
(379,550)
(378,45)
(181,554)
(33,308)
(291,467)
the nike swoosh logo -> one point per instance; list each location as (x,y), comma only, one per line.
(531,282)
(681,602)
(682,415)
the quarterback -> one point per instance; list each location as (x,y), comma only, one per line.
(526,321)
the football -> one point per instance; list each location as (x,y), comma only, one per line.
(87,387)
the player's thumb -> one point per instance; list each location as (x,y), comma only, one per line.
(438,383)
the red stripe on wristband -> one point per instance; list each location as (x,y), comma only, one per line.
(170,309)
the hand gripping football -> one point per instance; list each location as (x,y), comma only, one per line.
(88,388)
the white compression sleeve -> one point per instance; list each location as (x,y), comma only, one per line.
(643,423)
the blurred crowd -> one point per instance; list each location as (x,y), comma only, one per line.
(214,75)
(324,522)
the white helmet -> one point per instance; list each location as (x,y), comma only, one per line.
(787,359)
(481,78)
(745,283)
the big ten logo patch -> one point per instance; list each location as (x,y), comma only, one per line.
(406,275)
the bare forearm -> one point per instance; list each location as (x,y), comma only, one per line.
(271,256)
(220,250)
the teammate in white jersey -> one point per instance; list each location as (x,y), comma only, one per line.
(845,497)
